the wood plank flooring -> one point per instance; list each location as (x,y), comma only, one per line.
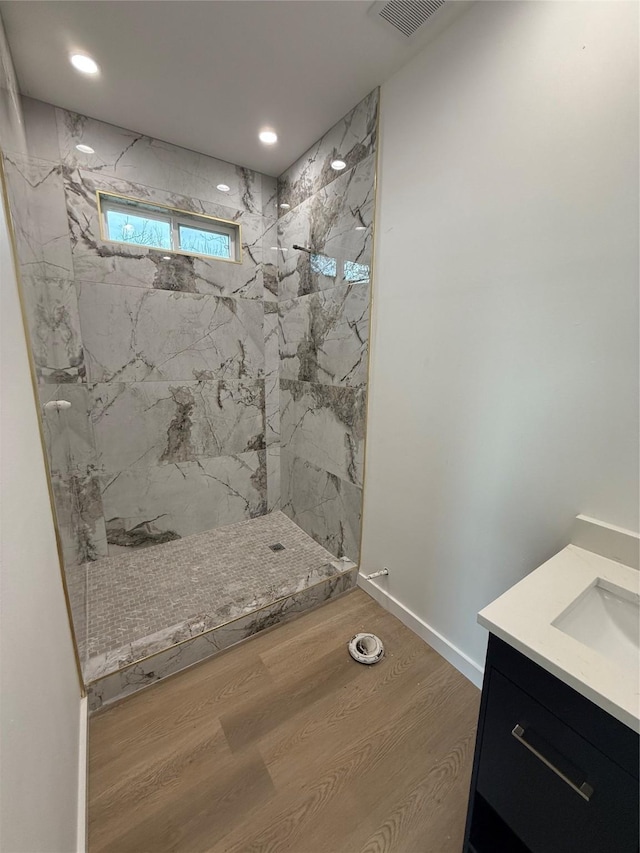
(286,744)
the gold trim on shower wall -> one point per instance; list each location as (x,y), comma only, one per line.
(105,238)
(372,274)
(34,389)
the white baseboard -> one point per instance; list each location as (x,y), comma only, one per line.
(81,843)
(469,668)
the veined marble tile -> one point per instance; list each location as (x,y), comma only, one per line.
(325,336)
(131,334)
(68,433)
(271,338)
(272,409)
(272,368)
(138,675)
(95,259)
(40,129)
(122,153)
(269,196)
(273,478)
(80,518)
(324,425)
(270,256)
(323,505)
(54,329)
(352,139)
(147,506)
(140,424)
(36,201)
(335,223)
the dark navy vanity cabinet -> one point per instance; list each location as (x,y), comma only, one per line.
(552,773)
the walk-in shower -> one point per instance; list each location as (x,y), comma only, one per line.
(203,409)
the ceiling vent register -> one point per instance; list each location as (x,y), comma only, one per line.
(406,16)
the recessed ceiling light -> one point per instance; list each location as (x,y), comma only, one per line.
(361,227)
(269,137)
(166,257)
(223,188)
(338,165)
(285,206)
(84,63)
(86,149)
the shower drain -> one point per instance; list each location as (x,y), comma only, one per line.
(277,547)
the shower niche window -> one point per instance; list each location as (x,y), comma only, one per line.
(131,221)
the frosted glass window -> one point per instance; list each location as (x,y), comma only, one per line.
(141,223)
(204,242)
(139,230)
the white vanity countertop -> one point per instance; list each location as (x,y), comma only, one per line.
(522,617)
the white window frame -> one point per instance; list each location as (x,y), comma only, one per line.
(174,217)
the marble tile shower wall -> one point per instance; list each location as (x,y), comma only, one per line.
(323,312)
(171,367)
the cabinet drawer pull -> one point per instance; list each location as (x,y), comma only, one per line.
(584,789)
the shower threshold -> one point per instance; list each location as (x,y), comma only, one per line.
(154,611)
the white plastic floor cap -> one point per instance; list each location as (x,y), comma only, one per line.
(366,648)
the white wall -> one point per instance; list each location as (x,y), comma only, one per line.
(504,373)
(40,708)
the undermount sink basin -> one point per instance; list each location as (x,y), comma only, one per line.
(606,618)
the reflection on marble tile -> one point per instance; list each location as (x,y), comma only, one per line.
(54,329)
(80,518)
(125,154)
(325,336)
(272,409)
(352,139)
(271,339)
(323,505)
(139,424)
(40,129)
(36,199)
(270,254)
(272,365)
(71,455)
(273,478)
(68,433)
(335,223)
(145,672)
(324,425)
(147,506)
(96,259)
(269,197)
(131,334)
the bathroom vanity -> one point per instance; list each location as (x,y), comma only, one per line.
(557,749)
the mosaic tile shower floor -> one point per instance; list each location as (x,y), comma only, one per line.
(149,599)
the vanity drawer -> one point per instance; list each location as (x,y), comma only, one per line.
(556,791)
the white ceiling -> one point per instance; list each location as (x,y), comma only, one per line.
(208,75)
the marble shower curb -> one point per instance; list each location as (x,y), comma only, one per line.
(140,674)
